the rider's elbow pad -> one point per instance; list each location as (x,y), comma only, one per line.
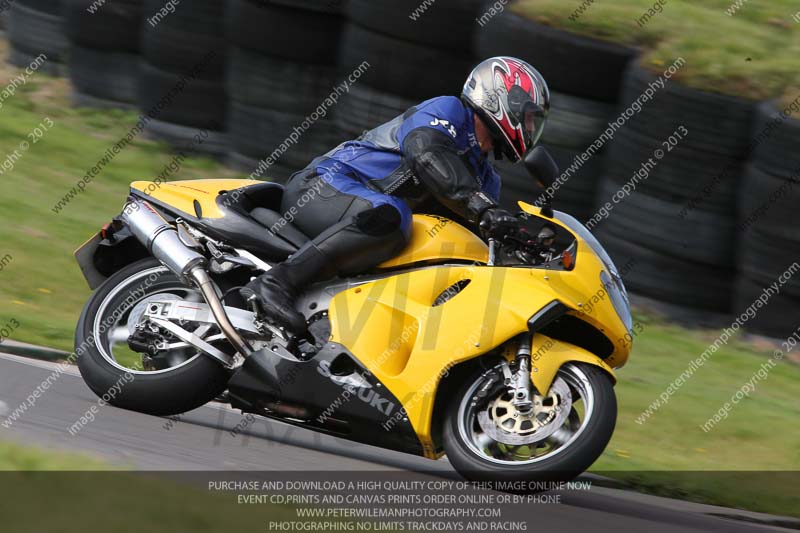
(434,158)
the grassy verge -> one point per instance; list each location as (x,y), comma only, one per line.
(670,454)
(42,289)
(752,53)
(69,493)
(14,457)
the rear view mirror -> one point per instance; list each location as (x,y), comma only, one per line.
(545,171)
(541,166)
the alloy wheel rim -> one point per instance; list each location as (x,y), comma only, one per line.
(106,336)
(558,440)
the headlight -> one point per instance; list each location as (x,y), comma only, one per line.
(619,296)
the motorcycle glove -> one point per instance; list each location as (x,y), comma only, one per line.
(496,223)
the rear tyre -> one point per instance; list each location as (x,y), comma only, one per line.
(571,443)
(106,365)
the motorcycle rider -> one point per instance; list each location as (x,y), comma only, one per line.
(356,202)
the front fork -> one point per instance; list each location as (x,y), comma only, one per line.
(519,382)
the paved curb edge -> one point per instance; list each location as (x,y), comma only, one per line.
(50,354)
(33,351)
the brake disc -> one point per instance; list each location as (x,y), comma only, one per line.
(504,423)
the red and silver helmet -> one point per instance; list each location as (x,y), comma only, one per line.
(513,100)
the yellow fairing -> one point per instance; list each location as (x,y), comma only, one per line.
(436,238)
(395,329)
(182,194)
(582,291)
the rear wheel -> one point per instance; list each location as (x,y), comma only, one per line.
(175,381)
(487,439)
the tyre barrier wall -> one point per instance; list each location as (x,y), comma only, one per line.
(35,27)
(712,224)
(282,67)
(574,124)
(768,222)
(571,64)
(413,53)
(680,223)
(584,76)
(443,25)
(398,66)
(183,67)
(104,52)
(684,152)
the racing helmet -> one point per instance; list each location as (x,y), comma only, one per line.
(512,98)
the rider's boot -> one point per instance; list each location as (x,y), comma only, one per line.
(277,289)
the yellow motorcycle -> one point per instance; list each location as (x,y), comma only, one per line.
(500,354)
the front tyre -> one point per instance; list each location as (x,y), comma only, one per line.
(182,380)
(487,439)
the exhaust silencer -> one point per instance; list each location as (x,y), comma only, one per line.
(162,241)
(160,238)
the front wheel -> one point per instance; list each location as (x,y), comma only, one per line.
(487,438)
(178,380)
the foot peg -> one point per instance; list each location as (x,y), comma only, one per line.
(275,303)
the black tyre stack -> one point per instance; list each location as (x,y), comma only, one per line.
(35,27)
(584,77)
(679,223)
(104,51)
(181,84)
(768,221)
(282,70)
(409,54)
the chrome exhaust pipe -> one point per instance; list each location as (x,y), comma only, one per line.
(161,240)
(208,289)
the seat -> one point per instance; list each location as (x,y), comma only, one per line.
(262,203)
(263,194)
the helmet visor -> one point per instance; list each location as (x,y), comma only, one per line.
(527,115)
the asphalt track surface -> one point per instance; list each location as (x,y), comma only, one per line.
(201,441)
